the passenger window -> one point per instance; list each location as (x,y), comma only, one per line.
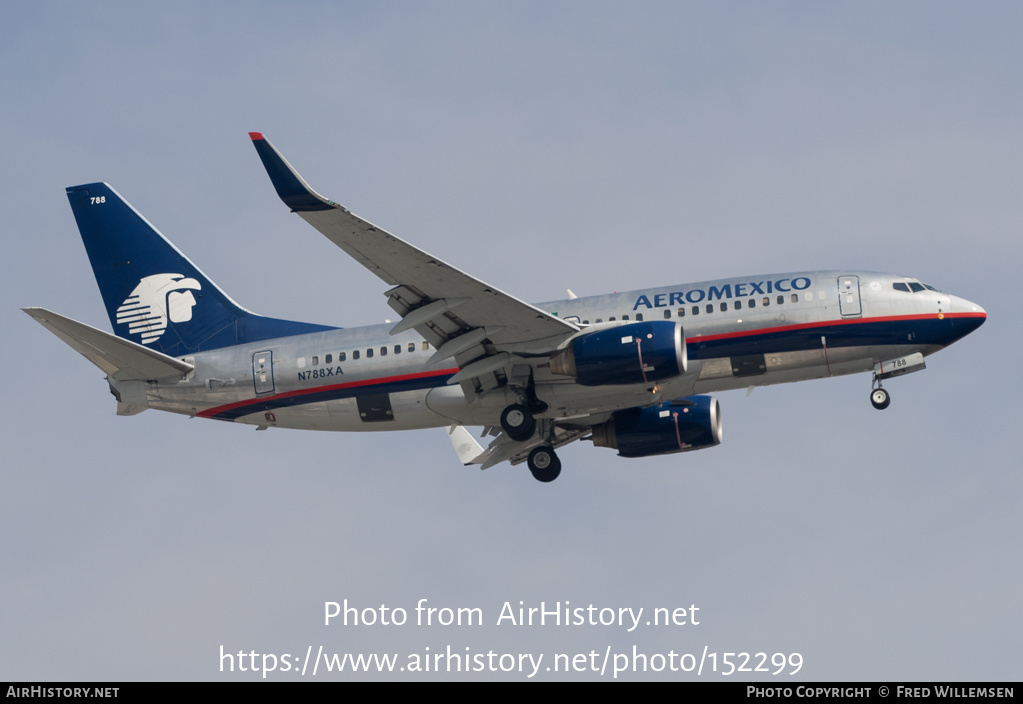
(766,301)
(328,359)
(724,306)
(781,299)
(600,320)
(710,307)
(610,319)
(752,303)
(301,362)
(696,310)
(383,351)
(625,317)
(411,347)
(639,316)
(355,354)
(795,298)
(738,305)
(397,349)
(667,314)
(342,356)
(426,346)
(316,359)
(369,353)
(681,312)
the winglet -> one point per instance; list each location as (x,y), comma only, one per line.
(466,447)
(291,187)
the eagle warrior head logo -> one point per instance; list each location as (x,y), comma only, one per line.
(156,299)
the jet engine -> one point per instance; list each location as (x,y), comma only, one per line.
(634,353)
(685,424)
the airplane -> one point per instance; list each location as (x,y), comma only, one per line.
(628,371)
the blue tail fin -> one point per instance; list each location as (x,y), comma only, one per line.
(153,294)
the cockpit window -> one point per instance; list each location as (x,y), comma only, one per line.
(913,286)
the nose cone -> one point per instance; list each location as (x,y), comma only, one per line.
(966,316)
(967,308)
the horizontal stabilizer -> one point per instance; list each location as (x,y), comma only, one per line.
(121,359)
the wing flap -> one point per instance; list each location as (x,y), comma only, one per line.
(504,448)
(120,359)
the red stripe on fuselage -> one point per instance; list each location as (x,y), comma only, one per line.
(829,323)
(210,412)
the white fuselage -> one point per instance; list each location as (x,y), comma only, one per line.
(739,332)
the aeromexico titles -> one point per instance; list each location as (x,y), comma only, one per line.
(628,371)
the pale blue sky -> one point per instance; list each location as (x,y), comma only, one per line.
(540,146)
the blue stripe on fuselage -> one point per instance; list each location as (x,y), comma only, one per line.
(330,393)
(922,331)
(839,333)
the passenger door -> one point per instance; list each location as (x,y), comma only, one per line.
(263,372)
(849,296)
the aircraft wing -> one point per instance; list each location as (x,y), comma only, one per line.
(470,452)
(462,317)
(121,359)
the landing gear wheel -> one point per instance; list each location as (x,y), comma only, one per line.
(880,399)
(518,422)
(544,464)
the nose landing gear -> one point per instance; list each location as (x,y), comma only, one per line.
(879,398)
(896,366)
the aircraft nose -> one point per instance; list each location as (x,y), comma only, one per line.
(968,316)
(961,305)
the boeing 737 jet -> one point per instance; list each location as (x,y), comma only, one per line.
(628,371)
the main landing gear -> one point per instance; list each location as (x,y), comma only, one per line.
(544,464)
(519,424)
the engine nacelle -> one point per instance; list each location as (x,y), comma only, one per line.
(634,353)
(685,424)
